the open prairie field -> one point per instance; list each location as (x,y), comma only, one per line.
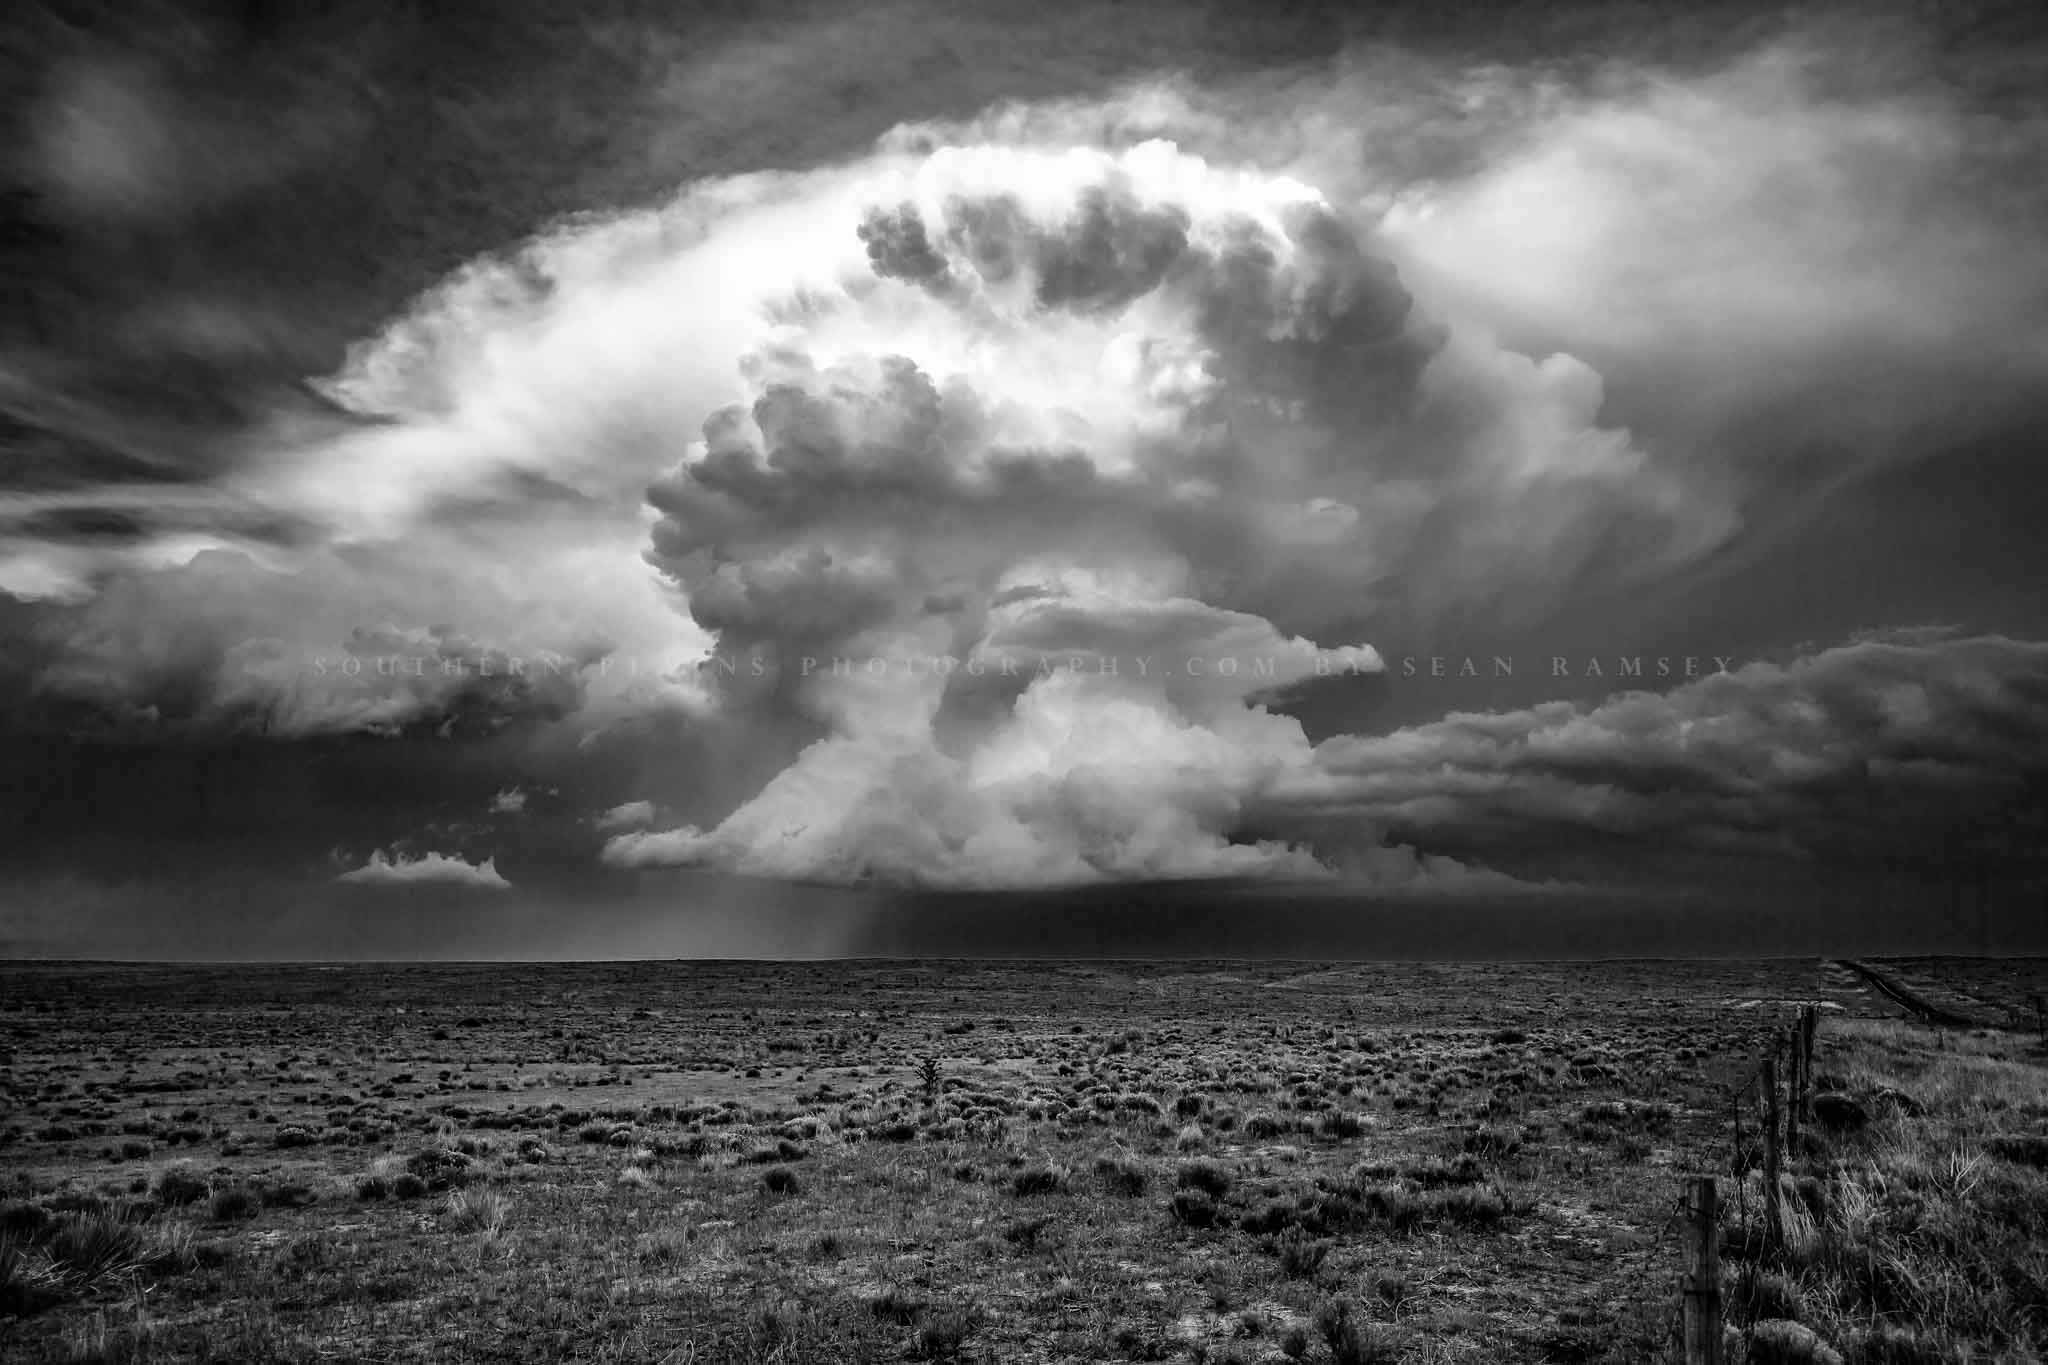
(987,1161)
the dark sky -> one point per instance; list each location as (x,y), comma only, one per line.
(1421,480)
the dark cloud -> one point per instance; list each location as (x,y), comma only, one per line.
(1408,341)
(899,249)
(1919,745)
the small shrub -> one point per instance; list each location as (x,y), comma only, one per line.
(440,1168)
(893,1305)
(292,1196)
(942,1337)
(1493,1144)
(86,1248)
(1474,1208)
(1351,1341)
(1435,1173)
(1394,1290)
(233,1203)
(179,1185)
(1024,1233)
(1034,1180)
(1395,1207)
(1302,1259)
(1193,1208)
(1263,1124)
(1340,1125)
(1122,1176)
(1206,1176)
(1275,1218)
(476,1211)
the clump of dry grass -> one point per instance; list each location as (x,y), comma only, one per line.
(1040,1178)
(1351,1339)
(1122,1175)
(233,1203)
(72,1254)
(1920,1239)
(179,1184)
(1207,1176)
(477,1210)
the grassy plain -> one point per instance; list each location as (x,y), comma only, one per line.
(991,1161)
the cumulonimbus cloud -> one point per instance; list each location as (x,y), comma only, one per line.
(1154,379)
(443,869)
(1118,434)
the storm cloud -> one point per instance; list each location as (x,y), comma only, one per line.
(1900,744)
(968,508)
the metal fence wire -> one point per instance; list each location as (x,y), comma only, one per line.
(1757,1107)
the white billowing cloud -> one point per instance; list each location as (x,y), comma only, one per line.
(323,639)
(627,815)
(1089,779)
(445,869)
(1830,228)
(1068,463)
(1787,225)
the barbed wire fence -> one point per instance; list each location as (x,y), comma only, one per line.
(1674,1302)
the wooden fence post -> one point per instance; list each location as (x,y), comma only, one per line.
(1795,1086)
(1809,1029)
(1774,1213)
(1702,1309)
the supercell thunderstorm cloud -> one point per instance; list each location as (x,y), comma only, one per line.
(1046,495)
(1075,419)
